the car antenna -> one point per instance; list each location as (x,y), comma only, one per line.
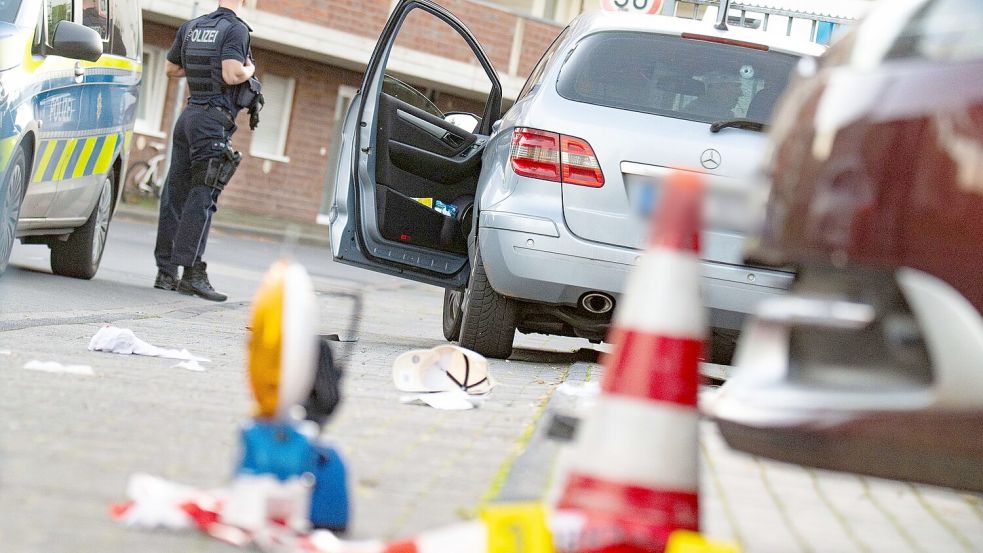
(721,24)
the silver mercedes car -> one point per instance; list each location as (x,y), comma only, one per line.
(529,220)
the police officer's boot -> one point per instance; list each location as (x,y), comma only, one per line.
(166,280)
(194,282)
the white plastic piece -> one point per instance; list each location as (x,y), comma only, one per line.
(255,500)
(157,503)
(953,332)
(443,368)
(443,401)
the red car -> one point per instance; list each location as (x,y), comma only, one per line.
(874,363)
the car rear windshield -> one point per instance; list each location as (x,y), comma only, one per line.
(676,77)
(8,10)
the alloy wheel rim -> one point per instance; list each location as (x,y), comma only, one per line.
(11,211)
(102,221)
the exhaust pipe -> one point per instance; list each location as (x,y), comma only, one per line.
(597,303)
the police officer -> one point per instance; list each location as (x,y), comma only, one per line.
(213,52)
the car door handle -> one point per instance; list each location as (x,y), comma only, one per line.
(453,140)
(79,71)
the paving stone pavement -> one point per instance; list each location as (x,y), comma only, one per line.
(68,443)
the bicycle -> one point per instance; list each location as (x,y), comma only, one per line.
(146,178)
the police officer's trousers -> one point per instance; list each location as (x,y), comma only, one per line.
(186,209)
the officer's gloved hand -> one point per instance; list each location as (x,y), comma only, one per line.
(254,112)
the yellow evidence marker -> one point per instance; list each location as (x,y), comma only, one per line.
(517,528)
(686,541)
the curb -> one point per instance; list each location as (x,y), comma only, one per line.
(142,215)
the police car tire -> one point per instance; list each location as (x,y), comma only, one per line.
(11,198)
(77,257)
(487,317)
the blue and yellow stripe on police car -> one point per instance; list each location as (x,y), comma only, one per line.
(71,158)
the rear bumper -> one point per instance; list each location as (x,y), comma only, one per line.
(535,259)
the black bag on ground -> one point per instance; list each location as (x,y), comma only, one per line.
(326,392)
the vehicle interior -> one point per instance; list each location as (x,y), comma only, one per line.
(429,145)
(422,159)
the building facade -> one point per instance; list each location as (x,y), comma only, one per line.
(310,56)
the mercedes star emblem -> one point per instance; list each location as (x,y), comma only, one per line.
(710,159)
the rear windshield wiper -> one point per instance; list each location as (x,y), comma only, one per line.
(748,124)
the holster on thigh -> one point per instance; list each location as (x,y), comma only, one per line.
(216,172)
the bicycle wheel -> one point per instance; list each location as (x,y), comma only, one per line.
(136,175)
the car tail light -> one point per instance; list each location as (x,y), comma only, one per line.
(554,157)
(578,163)
(536,154)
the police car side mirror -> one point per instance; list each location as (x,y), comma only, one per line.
(76,42)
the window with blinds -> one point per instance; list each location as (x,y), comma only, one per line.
(270,138)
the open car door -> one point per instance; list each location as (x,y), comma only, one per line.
(408,171)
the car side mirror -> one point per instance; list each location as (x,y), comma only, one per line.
(462,120)
(76,42)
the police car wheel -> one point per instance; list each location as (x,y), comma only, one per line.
(80,255)
(11,197)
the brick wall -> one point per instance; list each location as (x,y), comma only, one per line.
(290,190)
(494,28)
(536,38)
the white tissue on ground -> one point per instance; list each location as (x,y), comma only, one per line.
(58,368)
(123,341)
(445,401)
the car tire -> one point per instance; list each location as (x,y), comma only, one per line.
(487,317)
(80,255)
(452,315)
(11,198)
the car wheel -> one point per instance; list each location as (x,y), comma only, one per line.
(11,198)
(453,300)
(80,255)
(488,318)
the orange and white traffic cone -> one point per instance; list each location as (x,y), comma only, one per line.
(634,465)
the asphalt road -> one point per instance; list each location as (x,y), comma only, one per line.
(127,273)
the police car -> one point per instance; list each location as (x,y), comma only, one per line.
(70,74)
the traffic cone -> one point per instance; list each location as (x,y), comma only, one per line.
(634,465)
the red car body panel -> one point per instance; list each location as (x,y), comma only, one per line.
(882,167)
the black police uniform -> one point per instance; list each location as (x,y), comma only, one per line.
(202,143)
